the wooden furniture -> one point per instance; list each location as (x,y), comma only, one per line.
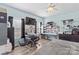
(10,32)
(28,21)
(69,37)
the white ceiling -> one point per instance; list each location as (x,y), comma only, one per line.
(40,9)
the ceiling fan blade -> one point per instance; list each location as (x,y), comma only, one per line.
(55,9)
(53,5)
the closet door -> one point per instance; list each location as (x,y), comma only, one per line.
(3,26)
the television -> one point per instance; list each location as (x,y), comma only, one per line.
(30,21)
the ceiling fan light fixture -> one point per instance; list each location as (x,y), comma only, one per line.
(50,8)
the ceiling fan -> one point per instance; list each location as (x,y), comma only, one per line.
(51,8)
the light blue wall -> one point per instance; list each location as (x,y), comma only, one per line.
(58,18)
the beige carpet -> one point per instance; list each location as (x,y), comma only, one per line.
(59,47)
(54,47)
